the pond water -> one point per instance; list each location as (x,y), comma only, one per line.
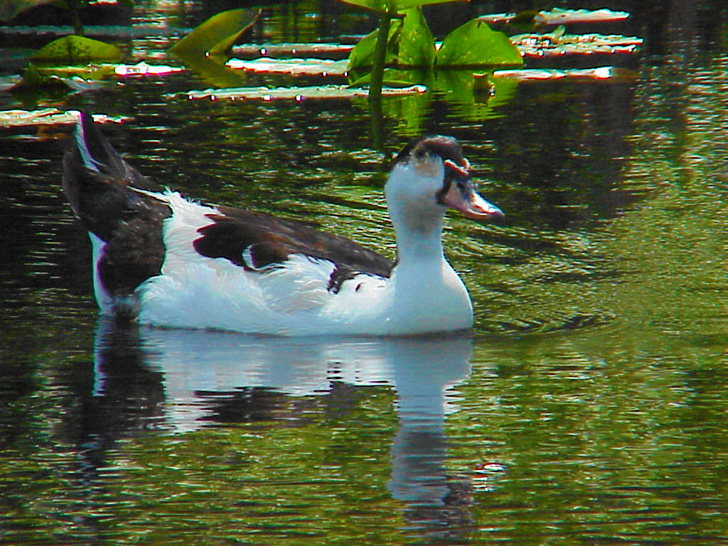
(588,406)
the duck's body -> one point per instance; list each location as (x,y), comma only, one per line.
(172,262)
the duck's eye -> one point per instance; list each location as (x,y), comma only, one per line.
(421,154)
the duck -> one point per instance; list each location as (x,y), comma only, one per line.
(162,259)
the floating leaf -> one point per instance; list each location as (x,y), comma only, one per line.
(558,17)
(56,80)
(558,44)
(475,44)
(144,69)
(47,116)
(395,6)
(77,49)
(296,93)
(294,67)
(86,71)
(217,35)
(609,74)
(327,51)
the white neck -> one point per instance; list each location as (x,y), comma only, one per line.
(419,246)
(417,218)
(427,293)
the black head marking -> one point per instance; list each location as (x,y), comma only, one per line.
(448,149)
(444,147)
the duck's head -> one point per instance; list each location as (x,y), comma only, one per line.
(428,176)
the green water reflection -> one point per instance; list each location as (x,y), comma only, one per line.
(589,406)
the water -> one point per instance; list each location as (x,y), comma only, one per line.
(589,406)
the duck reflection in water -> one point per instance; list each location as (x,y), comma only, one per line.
(189,379)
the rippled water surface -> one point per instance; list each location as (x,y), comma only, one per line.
(588,407)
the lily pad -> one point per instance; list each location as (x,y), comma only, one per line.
(294,67)
(558,44)
(217,35)
(146,70)
(608,74)
(475,44)
(47,116)
(77,49)
(88,72)
(296,93)
(558,16)
(304,50)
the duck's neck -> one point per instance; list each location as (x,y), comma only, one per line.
(427,294)
(419,245)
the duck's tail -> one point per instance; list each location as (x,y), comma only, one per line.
(125,224)
(98,183)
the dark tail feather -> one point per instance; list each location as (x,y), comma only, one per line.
(98,182)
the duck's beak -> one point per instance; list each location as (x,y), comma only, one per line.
(462,196)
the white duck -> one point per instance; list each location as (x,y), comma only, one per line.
(168,261)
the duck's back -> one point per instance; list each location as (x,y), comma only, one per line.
(172,262)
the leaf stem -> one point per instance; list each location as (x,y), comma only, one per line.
(380,55)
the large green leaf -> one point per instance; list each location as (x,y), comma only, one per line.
(410,44)
(77,49)
(416,45)
(395,6)
(475,44)
(218,34)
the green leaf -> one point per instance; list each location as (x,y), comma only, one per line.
(416,46)
(76,50)
(10,8)
(395,6)
(475,44)
(218,34)
(410,44)
(362,55)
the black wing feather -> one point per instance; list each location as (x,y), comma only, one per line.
(241,236)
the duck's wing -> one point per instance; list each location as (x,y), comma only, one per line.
(259,242)
(126,212)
